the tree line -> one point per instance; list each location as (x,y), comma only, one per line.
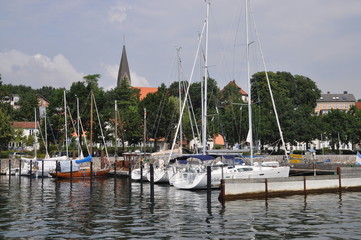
(295,97)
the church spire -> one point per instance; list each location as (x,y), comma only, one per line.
(124,73)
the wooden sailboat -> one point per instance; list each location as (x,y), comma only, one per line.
(72,168)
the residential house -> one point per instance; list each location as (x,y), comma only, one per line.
(331,101)
(28,129)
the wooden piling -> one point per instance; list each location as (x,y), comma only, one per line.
(266,188)
(209,183)
(71,170)
(151,182)
(19,168)
(141,174)
(339,178)
(115,168)
(42,168)
(91,170)
(304,185)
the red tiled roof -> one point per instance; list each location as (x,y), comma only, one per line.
(218,139)
(358,105)
(240,89)
(25,125)
(144,91)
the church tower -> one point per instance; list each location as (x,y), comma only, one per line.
(124,73)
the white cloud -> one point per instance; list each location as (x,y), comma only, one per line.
(117,14)
(38,70)
(138,81)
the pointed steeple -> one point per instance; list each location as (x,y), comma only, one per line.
(124,73)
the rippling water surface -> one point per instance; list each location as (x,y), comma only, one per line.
(109,209)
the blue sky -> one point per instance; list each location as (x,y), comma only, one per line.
(55,43)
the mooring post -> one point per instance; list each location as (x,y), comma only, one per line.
(42,168)
(0,165)
(266,188)
(209,183)
(115,168)
(304,185)
(141,174)
(91,170)
(19,168)
(9,168)
(71,170)
(151,182)
(130,170)
(221,197)
(339,178)
(31,167)
(57,164)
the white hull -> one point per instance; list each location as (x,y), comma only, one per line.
(198,180)
(160,175)
(136,176)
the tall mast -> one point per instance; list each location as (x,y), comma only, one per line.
(46,136)
(91,122)
(35,137)
(145,131)
(78,123)
(204,105)
(250,131)
(116,129)
(180,100)
(66,127)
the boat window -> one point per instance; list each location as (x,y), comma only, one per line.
(244,169)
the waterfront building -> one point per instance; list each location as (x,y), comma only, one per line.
(331,101)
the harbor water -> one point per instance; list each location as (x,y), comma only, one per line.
(119,209)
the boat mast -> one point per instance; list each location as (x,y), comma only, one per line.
(116,130)
(66,128)
(91,122)
(46,136)
(204,105)
(180,100)
(78,123)
(250,131)
(145,132)
(35,137)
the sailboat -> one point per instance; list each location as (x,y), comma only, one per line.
(195,176)
(72,168)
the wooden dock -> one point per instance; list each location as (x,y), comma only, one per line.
(347,179)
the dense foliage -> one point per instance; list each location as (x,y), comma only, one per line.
(295,99)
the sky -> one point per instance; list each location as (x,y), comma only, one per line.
(56,43)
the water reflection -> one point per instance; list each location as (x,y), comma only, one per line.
(118,208)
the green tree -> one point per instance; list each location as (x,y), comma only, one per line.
(6,130)
(162,114)
(295,98)
(130,119)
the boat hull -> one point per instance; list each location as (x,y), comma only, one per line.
(198,180)
(80,174)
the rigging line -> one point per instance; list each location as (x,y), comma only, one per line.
(192,114)
(73,124)
(100,126)
(86,142)
(158,116)
(269,85)
(188,87)
(53,135)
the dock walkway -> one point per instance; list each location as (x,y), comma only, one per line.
(347,179)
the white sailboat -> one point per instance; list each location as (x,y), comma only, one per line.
(196,177)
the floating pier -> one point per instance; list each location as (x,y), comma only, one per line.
(347,179)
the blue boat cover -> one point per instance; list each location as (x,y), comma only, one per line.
(87,159)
